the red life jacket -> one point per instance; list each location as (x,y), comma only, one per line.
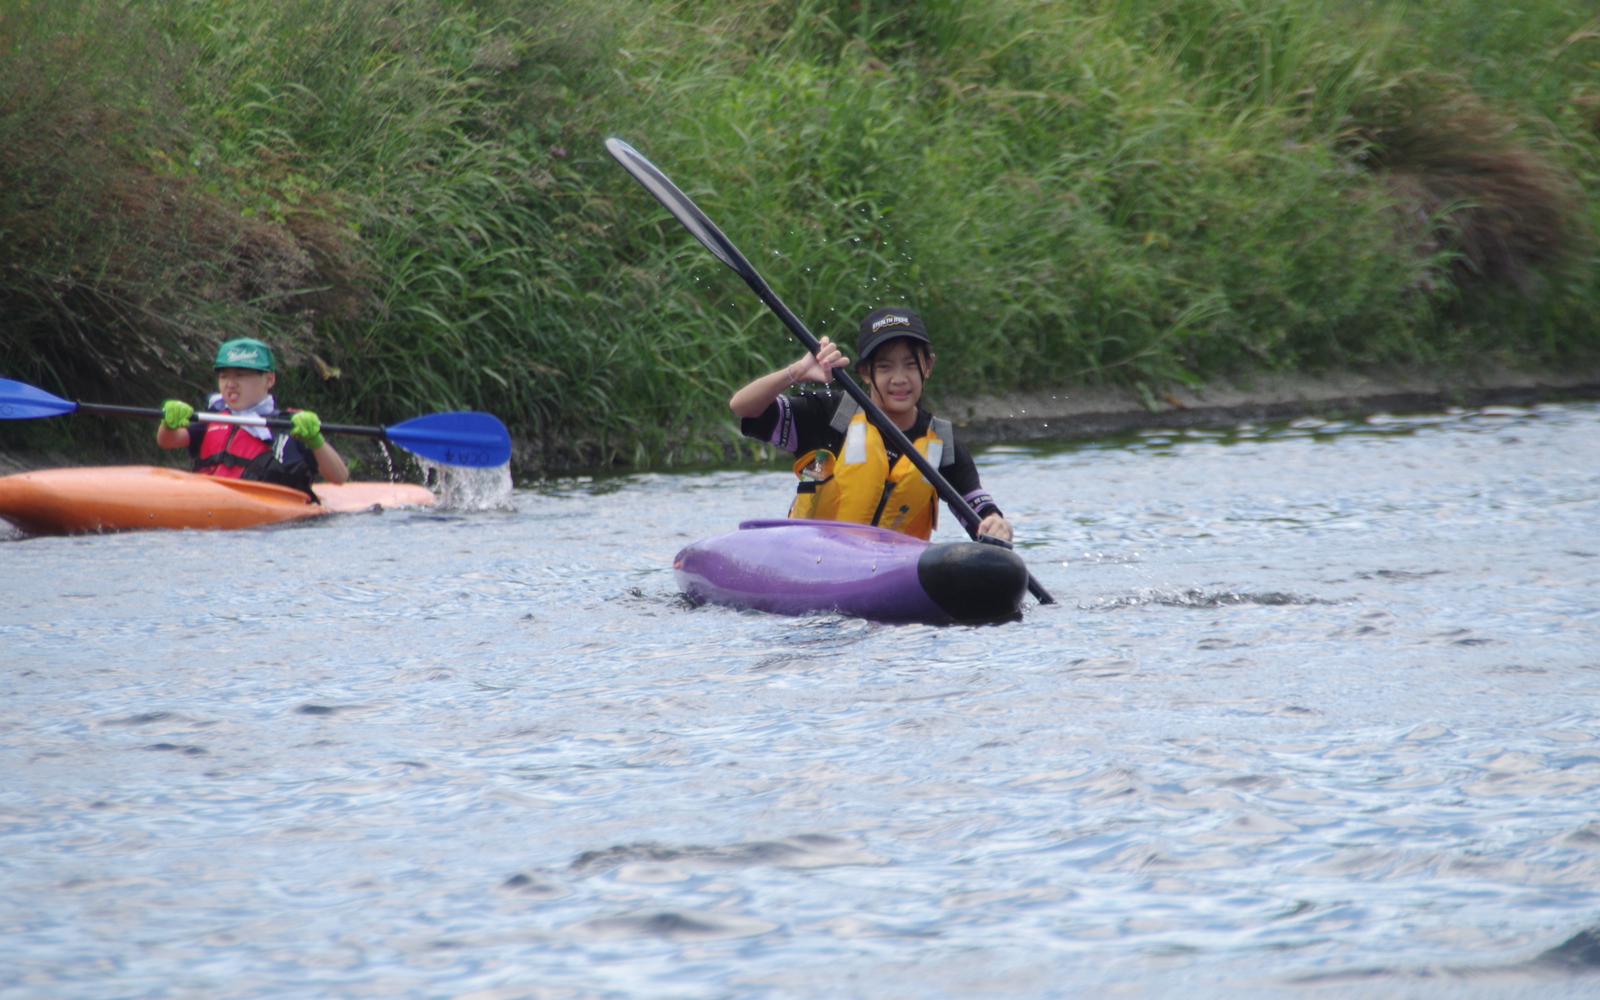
(227,450)
(231,451)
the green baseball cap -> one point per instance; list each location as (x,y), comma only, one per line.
(244,353)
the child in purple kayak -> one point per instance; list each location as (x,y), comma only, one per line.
(847,471)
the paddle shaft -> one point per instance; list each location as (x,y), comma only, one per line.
(700,225)
(276,423)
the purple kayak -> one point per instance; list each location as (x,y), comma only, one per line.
(799,567)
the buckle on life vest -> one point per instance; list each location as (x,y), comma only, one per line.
(820,470)
(816,473)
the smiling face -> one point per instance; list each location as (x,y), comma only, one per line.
(243,388)
(896,372)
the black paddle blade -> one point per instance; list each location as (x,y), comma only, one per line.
(681,207)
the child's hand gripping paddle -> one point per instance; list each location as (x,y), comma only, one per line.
(706,231)
(465,437)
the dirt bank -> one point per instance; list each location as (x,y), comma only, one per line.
(1094,411)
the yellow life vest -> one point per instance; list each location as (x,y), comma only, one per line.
(859,486)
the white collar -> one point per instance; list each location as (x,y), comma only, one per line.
(266,408)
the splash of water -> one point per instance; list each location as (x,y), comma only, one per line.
(462,488)
(388,460)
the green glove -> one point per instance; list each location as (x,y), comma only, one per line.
(175,414)
(306,428)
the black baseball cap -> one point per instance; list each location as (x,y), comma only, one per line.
(888,323)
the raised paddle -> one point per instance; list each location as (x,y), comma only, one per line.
(706,231)
(463,437)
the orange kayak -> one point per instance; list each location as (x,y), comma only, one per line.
(124,497)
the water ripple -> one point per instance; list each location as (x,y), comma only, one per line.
(1320,706)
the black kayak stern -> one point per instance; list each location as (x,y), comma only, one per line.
(974,583)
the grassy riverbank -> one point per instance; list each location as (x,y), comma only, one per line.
(411,196)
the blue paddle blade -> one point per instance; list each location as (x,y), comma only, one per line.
(20,401)
(465,437)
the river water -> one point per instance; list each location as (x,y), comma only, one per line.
(1318,707)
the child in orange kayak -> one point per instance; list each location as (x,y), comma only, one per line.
(847,471)
(245,376)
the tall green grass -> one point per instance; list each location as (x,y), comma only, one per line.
(411,198)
